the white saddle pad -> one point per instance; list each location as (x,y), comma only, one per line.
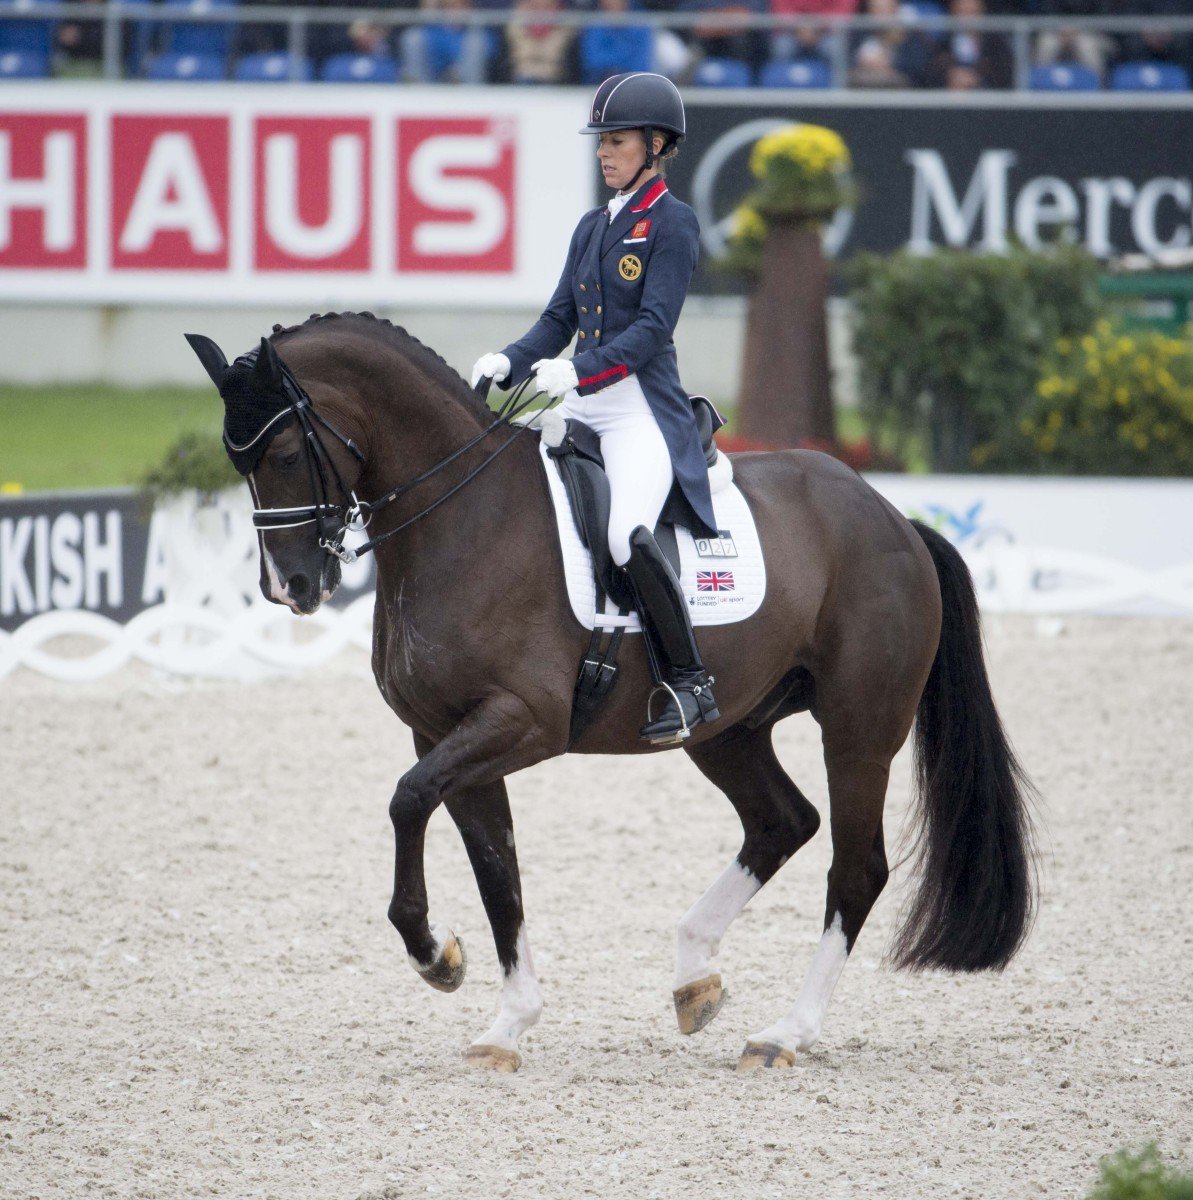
(724,579)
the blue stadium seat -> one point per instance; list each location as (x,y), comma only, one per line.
(922,8)
(804,73)
(359,68)
(18,64)
(1063,77)
(26,36)
(198,37)
(1149,77)
(186,68)
(722,73)
(271,68)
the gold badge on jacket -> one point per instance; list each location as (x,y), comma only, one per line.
(630,267)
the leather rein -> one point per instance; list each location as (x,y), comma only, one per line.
(334,521)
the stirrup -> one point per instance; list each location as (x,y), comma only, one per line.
(665,739)
(700,716)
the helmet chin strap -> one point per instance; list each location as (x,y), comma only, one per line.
(647,163)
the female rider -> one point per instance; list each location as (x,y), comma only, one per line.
(622,288)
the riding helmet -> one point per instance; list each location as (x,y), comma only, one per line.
(638,100)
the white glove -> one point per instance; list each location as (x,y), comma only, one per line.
(495,366)
(556,376)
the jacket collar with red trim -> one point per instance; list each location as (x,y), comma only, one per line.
(647,196)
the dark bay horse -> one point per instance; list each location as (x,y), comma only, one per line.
(869,623)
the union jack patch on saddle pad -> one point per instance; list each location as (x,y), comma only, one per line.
(714,581)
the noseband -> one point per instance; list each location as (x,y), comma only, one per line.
(335,521)
(332,520)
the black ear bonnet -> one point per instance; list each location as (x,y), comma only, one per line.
(260,397)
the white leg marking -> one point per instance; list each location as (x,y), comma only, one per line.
(800,1028)
(440,934)
(704,924)
(521,1001)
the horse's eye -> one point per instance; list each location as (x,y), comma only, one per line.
(287,461)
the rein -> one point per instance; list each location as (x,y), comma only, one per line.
(334,521)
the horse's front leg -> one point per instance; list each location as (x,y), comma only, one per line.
(482,816)
(500,735)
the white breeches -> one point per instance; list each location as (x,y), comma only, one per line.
(636,457)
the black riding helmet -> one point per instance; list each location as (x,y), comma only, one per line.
(639,100)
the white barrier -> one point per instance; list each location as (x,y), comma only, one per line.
(1129,550)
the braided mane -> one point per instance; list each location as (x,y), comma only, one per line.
(405,343)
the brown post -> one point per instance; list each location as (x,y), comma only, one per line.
(785,394)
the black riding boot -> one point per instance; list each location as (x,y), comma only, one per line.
(679,675)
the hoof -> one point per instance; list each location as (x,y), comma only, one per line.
(765,1054)
(493,1058)
(697,1003)
(446,973)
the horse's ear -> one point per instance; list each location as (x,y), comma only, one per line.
(210,355)
(267,371)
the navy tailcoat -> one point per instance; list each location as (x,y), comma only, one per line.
(620,294)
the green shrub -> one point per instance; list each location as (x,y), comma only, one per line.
(949,344)
(1141,1175)
(194,462)
(1110,403)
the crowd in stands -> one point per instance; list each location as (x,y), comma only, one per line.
(707,50)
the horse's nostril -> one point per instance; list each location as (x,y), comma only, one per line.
(299,586)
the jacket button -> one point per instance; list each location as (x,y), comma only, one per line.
(584,289)
(598,310)
(581,334)
(584,310)
(597,334)
(598,287)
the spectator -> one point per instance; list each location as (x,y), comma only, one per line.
(1155,43)
(1074,47)
(895,56)
(714,37)
(369,38)
(447,52)
(539,52)
(79,46)
(808,43)
(970,59)
(611,49)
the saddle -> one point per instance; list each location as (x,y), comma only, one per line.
(578,459)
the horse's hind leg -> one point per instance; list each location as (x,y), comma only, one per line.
(483,818)
(776,819)
(865,714)
(858,874)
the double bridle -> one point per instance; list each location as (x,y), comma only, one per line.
(334,521)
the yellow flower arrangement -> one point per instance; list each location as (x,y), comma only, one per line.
(1115,403)
(813,148)
(803,174)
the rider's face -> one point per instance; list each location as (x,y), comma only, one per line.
(620,154)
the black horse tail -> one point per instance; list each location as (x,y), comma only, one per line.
(976,897)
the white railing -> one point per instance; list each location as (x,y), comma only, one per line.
(227,634)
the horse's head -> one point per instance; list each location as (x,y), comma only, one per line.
(300,469)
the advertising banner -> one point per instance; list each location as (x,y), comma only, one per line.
(249,194)
(100,552)
(977,172)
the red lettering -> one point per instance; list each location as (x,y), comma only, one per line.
(43,186)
